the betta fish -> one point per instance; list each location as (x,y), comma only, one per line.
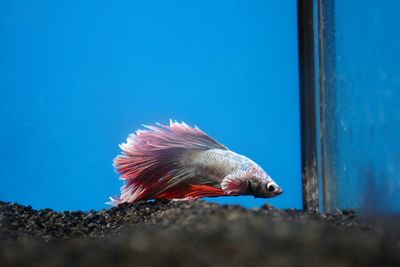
(182,162)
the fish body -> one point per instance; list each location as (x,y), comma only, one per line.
(182,162)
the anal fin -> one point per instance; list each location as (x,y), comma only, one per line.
(205,191)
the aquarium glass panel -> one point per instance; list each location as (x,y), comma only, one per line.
(360,93)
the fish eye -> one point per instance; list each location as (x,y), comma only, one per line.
(270,188)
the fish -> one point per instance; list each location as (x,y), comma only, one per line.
(181,162)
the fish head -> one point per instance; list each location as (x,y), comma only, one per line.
(260,184)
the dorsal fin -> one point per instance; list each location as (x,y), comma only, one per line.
(180,134)
(150,161)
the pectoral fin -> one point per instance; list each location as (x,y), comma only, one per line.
(234,186)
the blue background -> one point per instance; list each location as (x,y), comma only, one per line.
(76,77)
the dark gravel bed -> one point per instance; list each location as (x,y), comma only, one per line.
(195,233)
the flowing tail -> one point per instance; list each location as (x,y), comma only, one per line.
(150,164)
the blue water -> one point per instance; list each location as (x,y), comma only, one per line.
(76,77)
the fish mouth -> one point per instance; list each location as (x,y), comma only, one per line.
(278,192)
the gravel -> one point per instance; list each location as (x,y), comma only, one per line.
(195,233)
